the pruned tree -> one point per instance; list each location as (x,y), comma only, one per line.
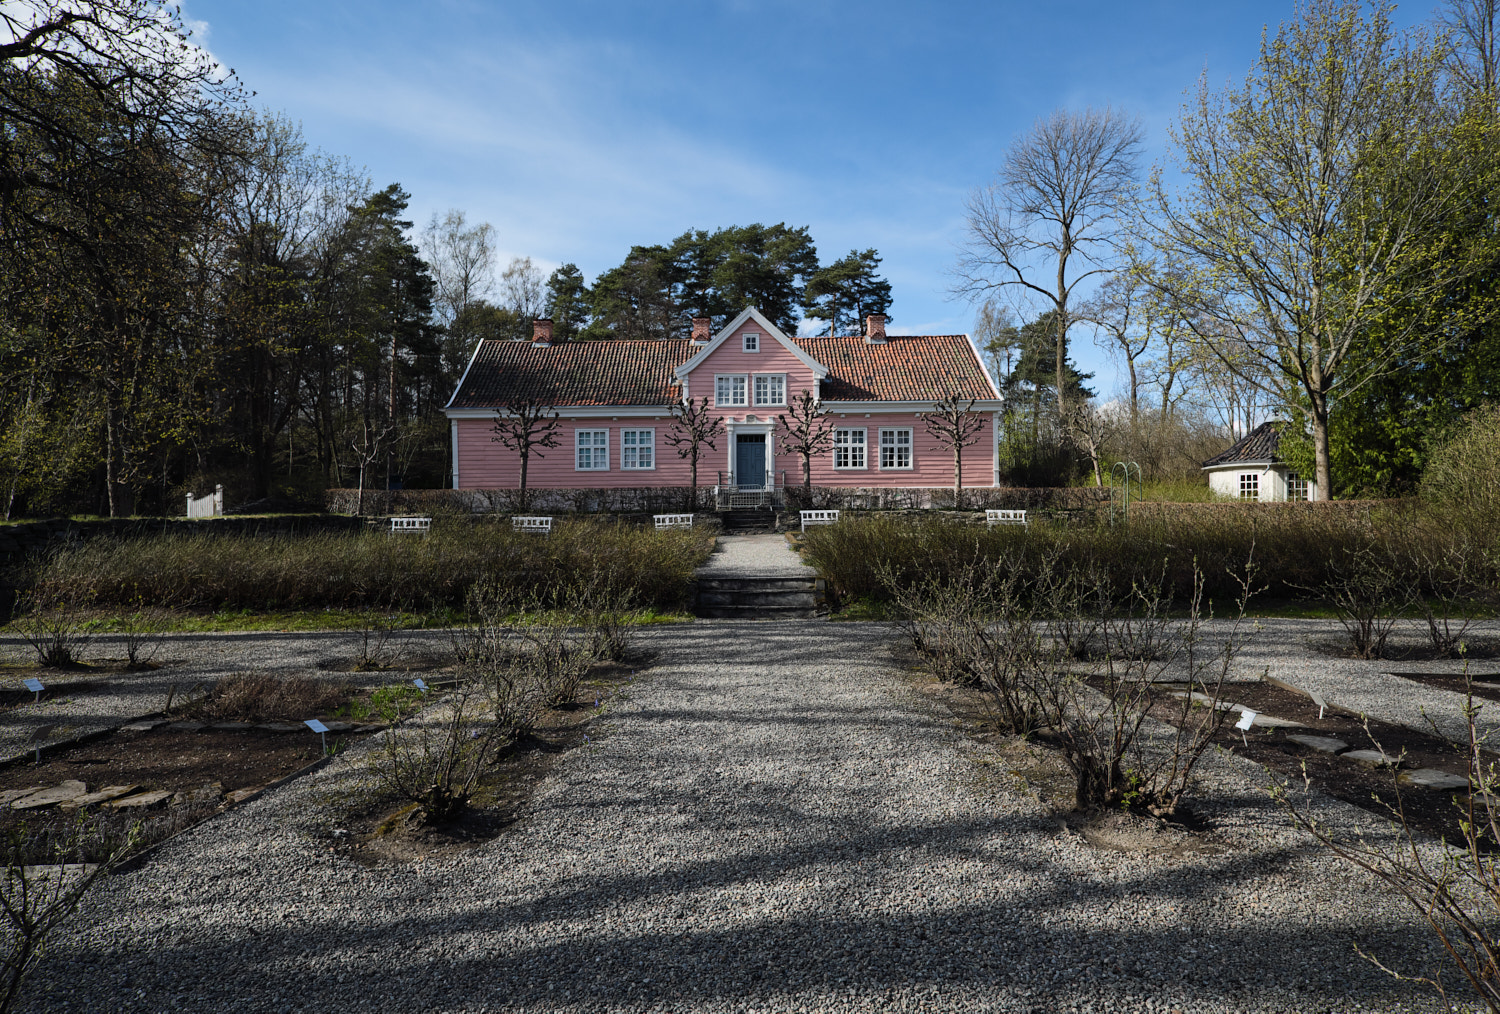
(367,449)
(1319,216)
(693,429)
(806,430)
(526,427)
(956,425)
(1091,428)
(1055,203)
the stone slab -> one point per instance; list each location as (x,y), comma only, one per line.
(1374,758)
(233,726)
(339,726)
(104,795)
(139,801)
(281,727)
(11,795)
(240,795)
(1432,778)
(186,726)
(146,726)
(61,792)
(1322,744)
(211,793)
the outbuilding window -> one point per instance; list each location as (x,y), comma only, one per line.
(1249,486)
(1296,487)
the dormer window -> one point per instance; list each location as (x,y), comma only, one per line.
(751,341)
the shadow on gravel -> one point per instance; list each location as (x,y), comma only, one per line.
(590,948)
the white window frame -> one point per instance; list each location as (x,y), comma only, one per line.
(649,446)
(598,452)
(755,388)
(730,378)
(846,448)
(896,447)
(1249,485)
(750,341)
(1296,484)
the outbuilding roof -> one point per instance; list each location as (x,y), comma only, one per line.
(1259,446)
(611,372)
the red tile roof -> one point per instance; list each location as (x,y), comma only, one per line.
(575,373)
(904,368)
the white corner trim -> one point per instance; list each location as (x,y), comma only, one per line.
(477,346)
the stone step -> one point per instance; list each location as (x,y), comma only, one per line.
(794,599)
(754,612)
(756,584)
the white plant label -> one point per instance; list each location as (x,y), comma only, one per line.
(420,685)
(1247,719)
(35,685)
(315,725)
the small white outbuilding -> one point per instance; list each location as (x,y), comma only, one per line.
(1250,469)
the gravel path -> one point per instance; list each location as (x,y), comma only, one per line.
(775,821)
(754,556)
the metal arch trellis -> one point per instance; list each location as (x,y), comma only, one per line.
(1124,468)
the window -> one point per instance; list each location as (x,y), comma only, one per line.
(637,448)
(895,448)
(770,389)
(1249,486)
(751,341)
(593,450)
(1296,487)
(729,390)
(848,448)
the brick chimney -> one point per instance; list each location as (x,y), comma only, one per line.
(875,328)
(702,326)
(541,331)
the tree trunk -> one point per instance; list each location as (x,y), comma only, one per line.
(958,471)
(1321,467)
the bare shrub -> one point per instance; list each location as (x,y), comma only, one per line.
(1453,575)
(50,620)
(258,697)
(1099,728)
(377,648)
(437,759)
(142,631)
(1454,887)
(47,873)
(608,613)
(1370,591)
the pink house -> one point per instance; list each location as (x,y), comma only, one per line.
(613,399)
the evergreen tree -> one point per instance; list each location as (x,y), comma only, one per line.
(567,302)
(847,291)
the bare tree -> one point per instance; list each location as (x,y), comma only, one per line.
(1091,428)
(693,429)
(1315,210)
(1054,204)
(462,261)
(1474,50)
(523,288)
(525,427)
(956,425)
(808,431)
(367,450)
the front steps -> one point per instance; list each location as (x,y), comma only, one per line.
(758,598)
(748,522)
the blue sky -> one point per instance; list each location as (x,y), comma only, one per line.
(580,128)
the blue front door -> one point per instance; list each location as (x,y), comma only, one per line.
(750,459)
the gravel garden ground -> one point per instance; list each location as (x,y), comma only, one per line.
(772,816)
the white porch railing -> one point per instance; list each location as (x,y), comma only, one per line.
(733,494)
